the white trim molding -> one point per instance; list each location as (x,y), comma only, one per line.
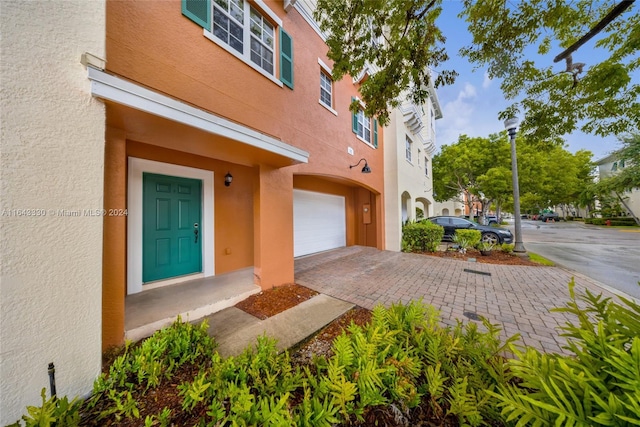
(112,88)
(134,218)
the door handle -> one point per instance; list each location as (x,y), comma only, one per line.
(195,231)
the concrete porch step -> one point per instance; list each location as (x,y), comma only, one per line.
(234,329)
(149,311)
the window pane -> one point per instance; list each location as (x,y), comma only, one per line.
(256,28)
(267,62)
(236,12)
(224,26)
(224,4)
(262,41)
(220,25)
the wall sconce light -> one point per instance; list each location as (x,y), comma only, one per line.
(365,169)
(227,179)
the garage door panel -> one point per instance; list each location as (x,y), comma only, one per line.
(319,222)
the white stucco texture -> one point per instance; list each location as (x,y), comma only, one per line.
(51,161)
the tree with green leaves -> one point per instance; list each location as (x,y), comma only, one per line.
(515,42)
(395,42)
(476,167)
(399,41)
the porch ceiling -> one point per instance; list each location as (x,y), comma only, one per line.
(153,130)
(154,118)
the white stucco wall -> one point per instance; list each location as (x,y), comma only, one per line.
(606,169)
(403,176)
(454,207)
(51,159)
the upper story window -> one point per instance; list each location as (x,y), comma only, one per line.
(365,127)
(262,36)
(326,89)
(228,22)
(249,31)
(407,145)
(426,167)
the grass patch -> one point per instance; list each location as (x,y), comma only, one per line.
(540,259)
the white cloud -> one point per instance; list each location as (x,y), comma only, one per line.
(469,91)
(487,80)
(456,116)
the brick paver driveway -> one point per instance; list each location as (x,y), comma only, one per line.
(516,297)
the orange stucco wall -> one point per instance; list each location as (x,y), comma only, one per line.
(153,45)
(114,254)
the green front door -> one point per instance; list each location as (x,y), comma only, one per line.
(171,227)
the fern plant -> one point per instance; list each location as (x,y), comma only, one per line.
(599,385)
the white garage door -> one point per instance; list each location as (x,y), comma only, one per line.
(318,222)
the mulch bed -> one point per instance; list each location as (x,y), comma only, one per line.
(495,257)
(276,300)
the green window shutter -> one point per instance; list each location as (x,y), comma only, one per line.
(375,133)
(286,58)
(199,11)
(354,119)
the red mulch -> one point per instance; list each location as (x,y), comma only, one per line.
(495,257)
(276,300)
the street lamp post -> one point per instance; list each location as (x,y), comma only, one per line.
(511,125)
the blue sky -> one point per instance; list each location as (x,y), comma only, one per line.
(471,105)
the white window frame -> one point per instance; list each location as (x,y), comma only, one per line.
(408,148)
(364,123)
(263,10)
(324,69)
(426,166)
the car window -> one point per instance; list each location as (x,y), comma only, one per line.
(440,221)
(459,222)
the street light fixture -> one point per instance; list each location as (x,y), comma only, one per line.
(511,125)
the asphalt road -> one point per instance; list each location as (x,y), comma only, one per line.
(608,255)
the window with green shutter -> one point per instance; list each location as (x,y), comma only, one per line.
(286,58)
(247,31)
(364,127)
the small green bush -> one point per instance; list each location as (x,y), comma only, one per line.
(507,247)
(421,236)
(471,236)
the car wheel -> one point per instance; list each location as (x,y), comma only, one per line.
(491,238)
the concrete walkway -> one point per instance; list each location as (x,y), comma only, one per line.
(516,297)
(235,330)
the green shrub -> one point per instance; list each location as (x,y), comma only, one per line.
(622,221)
(599,386)
(471,236)
(507,247)
(421,236)
(53,412)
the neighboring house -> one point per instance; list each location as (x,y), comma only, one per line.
(610,165)
(410,143)
(130,154)
(453,207)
